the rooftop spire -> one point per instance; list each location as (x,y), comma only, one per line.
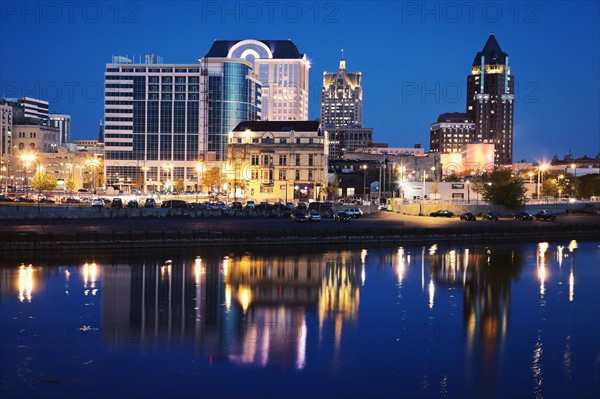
(100,134)
(342,61)
(492,52)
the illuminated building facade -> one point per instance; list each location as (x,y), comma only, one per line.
(281,69)
(278,161)
(490,102)
(490,99)
(341,98)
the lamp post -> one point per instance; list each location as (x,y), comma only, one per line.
(199,167)
(144,186)
(168,167)
(540,182)
(468,191)
(364,167)
(560,178)
(27,158)
(574,167)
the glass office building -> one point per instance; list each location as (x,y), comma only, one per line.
(161,120)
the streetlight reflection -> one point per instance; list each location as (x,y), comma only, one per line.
(25,282)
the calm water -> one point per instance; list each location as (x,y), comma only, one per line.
(516,320)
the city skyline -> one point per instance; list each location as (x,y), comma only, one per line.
(427,53)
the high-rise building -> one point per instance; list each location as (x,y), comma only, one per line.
(63,123)
(341,112)
(234,95)
(159,119)
(281,69)
(451,131)
(152,123)
(34,108)
(6,113)
(490,99)
(341,98)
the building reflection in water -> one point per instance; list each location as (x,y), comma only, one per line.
(485,276)
(247,309)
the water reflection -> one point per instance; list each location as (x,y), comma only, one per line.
(249,310)
(309,311)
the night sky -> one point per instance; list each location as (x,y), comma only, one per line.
(414,56)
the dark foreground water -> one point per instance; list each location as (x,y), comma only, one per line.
(516,320)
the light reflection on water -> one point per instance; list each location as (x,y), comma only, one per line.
(316,318)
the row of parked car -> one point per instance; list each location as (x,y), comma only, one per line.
(469,216)
(314,216)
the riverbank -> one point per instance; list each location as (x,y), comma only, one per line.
(379,228)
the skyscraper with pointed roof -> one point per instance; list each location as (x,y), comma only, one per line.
(490,99)
(341,98)
(342,111)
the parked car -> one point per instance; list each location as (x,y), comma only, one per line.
(116,203)
(150,203)
(250,205)
(468,216)
(442,213)
(98,203)
(489,216)
(4,198)
(298,217)
(314,216)
(177,204)
(289,206)
(70,200)
(25,199)
(354,212)
(301,206)
(342,216)
(523,216)
(133,204)
(545,215)
(46,201)
(236,206)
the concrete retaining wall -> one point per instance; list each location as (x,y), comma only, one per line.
(428,207)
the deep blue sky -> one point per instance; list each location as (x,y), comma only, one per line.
(414,56)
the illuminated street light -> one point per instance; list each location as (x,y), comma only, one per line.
(27,158)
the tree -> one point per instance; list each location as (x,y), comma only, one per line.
(213,178)
(588,185)
(334,185)
(501,188)
(70,185)
(179,186)
(43,181)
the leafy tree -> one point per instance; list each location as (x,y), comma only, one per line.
(139,183)
(452,178)
(334,185)
(588,185)
(213,178)
(501,188)
(179,186)
(43,181)
(70,185)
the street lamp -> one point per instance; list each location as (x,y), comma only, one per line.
(168,167)
(364,167)
(574,167)
(199,170)
(560,177)
(468,191)
(145,170)
(540,182)
(27,158)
